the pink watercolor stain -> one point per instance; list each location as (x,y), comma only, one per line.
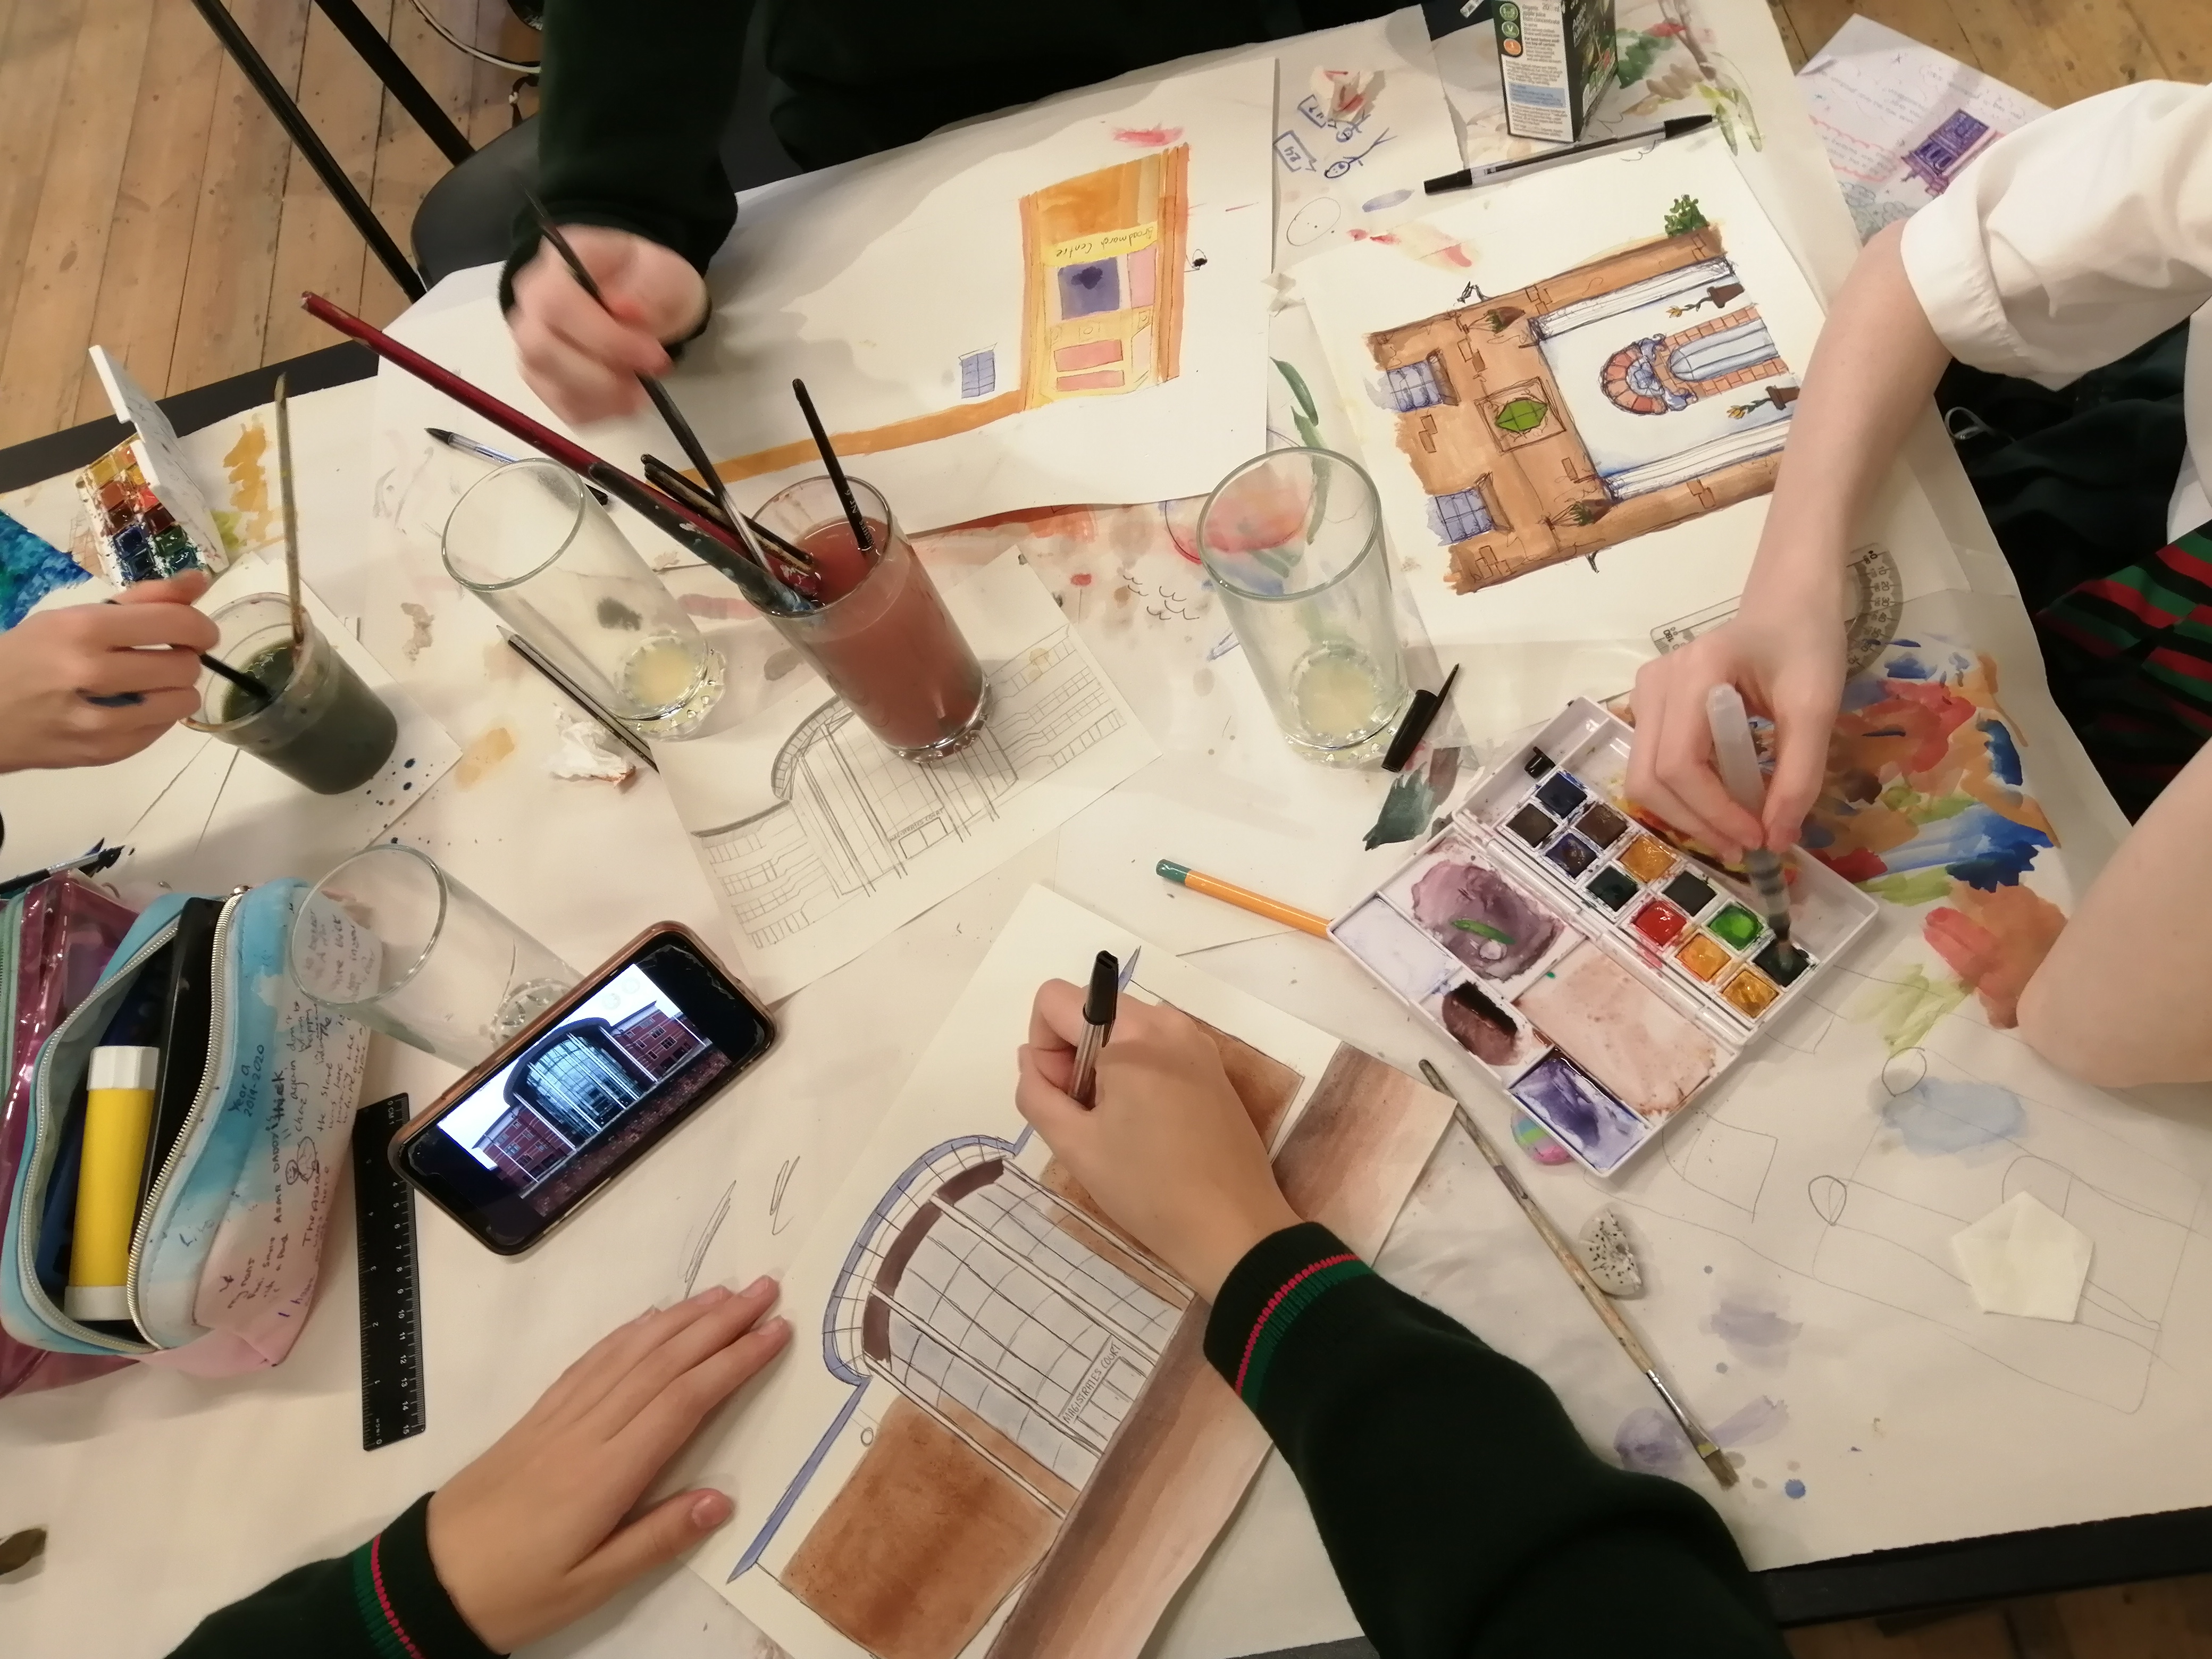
(1146,138)
(1080,578)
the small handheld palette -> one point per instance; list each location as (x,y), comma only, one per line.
(1603,977)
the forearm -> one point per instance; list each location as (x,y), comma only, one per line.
(383,1599)
(1873,372)
(2120,998)
(1463,1512)
(636,97)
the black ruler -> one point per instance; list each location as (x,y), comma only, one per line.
(390,1286)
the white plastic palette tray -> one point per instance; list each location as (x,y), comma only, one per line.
(1602,976)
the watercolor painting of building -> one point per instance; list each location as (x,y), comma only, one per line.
(1103,259)
(1614,399)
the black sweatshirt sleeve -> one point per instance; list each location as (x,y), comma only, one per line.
(382,1601)
(1464,1515)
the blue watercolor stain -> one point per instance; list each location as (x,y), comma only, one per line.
(2004,753)
(1907,667)
(1980,846)
(1937,1117)
(1793,1488)
(1382,202)
(30,569)
(1650,1442)
(1909,645)
(1863,694)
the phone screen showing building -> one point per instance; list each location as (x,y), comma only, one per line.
(622,1063)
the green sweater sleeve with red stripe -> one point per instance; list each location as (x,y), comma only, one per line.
(1465,1516)
(382,1601)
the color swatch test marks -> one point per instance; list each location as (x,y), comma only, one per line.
(1601,976)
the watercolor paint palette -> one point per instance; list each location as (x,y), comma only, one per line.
(1602,976)
(137,538)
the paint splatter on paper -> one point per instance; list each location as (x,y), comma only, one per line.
(1413,797)
(1904,1010)
(1937,1117)
(419,624)
(250,521)
(482,758)
(1752,1323)
(30,569)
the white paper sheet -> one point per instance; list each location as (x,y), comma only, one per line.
(1899,120)
(810,878)
(805,1427)
(1515,235)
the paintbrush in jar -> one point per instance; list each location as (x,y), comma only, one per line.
(291,521)
(1709,1453)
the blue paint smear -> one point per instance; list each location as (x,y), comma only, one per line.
(1937,1117)
(1907,668)
(1649,1442)
(1793,1488)
(30,569)
(2004,753)
(1382,202)
(1863,694)
(1980,846)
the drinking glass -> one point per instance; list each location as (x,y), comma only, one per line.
(1293,540)
(883,639)
(528,540)
(325,728)
(451,975)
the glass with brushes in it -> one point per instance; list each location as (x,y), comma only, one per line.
(321,725)
(531,542)
(1293,540)
(880,633)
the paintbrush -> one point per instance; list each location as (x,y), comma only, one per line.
(291,521)
(216,665)
(830,464)
(677,486)
(1708,1453)
(663,403)
(1737,758)
(709,541)
(576,694)
(469,446)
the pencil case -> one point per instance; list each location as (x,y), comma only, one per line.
(55,938)
(229,1234)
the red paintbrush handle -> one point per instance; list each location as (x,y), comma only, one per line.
(510,419)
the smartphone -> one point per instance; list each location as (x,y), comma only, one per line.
(569,1102)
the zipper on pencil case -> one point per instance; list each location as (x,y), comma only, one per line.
(41,1152)
(220,1037)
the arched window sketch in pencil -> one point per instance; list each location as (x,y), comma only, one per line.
(1952,1147)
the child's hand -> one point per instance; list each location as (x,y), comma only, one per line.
(142,647)
(1787,659)
(584,357)
(532,1536)
(1168,1152)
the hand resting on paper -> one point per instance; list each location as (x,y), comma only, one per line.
(1167,1150)
(538,1530)
(51,664)
(584,358)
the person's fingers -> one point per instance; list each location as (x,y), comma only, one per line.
(1648,701)
(1801,729)
(578,388)
(126,627)
(1044,1102)
(1056,1016)
(110,673)
(659,1429)
(565,311)
(660,1536)
(182,588)
(1703,805)
(594,1374)
(110,735)
(722,1320)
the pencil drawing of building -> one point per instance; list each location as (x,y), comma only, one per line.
(851,815)
(1616,398)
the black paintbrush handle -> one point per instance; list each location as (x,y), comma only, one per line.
(763,590)
(669,481)
(835,468)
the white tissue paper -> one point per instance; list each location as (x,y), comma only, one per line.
(2025,1258)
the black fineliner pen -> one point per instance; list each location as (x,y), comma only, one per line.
(1099,1007)
(1674,126)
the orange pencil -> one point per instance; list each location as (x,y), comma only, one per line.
(1244,898)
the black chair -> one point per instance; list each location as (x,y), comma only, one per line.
(468,216)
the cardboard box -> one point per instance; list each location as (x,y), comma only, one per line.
(1557,59)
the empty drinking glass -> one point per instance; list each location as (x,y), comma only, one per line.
(450,975)
(531,543)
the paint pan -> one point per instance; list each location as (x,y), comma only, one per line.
(1604,979)
(137,538)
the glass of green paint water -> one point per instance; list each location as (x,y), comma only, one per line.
(528,539)
(1293,540)
(450,974)
(324,728)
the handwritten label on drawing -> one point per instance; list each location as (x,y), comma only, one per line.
(1291,150)
(1101,245)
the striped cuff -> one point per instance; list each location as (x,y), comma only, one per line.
(405,1611)
(1281,1277)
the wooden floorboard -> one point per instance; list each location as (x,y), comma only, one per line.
(35,49)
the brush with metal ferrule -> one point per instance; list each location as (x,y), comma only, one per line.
(1737,758)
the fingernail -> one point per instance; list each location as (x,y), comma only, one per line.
(765,1282)
(716,1293)
(709,1509)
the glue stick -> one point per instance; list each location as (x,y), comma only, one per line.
(118,1113)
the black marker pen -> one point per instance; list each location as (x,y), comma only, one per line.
(1098,1010)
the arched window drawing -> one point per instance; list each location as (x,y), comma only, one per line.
(1744,346)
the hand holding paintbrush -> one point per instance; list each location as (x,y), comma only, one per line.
(1737,758)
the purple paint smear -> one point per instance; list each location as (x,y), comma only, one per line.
(1450,893)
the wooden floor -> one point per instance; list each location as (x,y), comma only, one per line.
(148,201)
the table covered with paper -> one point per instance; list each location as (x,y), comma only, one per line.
(1483,355)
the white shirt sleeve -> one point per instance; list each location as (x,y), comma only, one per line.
(2071,243)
